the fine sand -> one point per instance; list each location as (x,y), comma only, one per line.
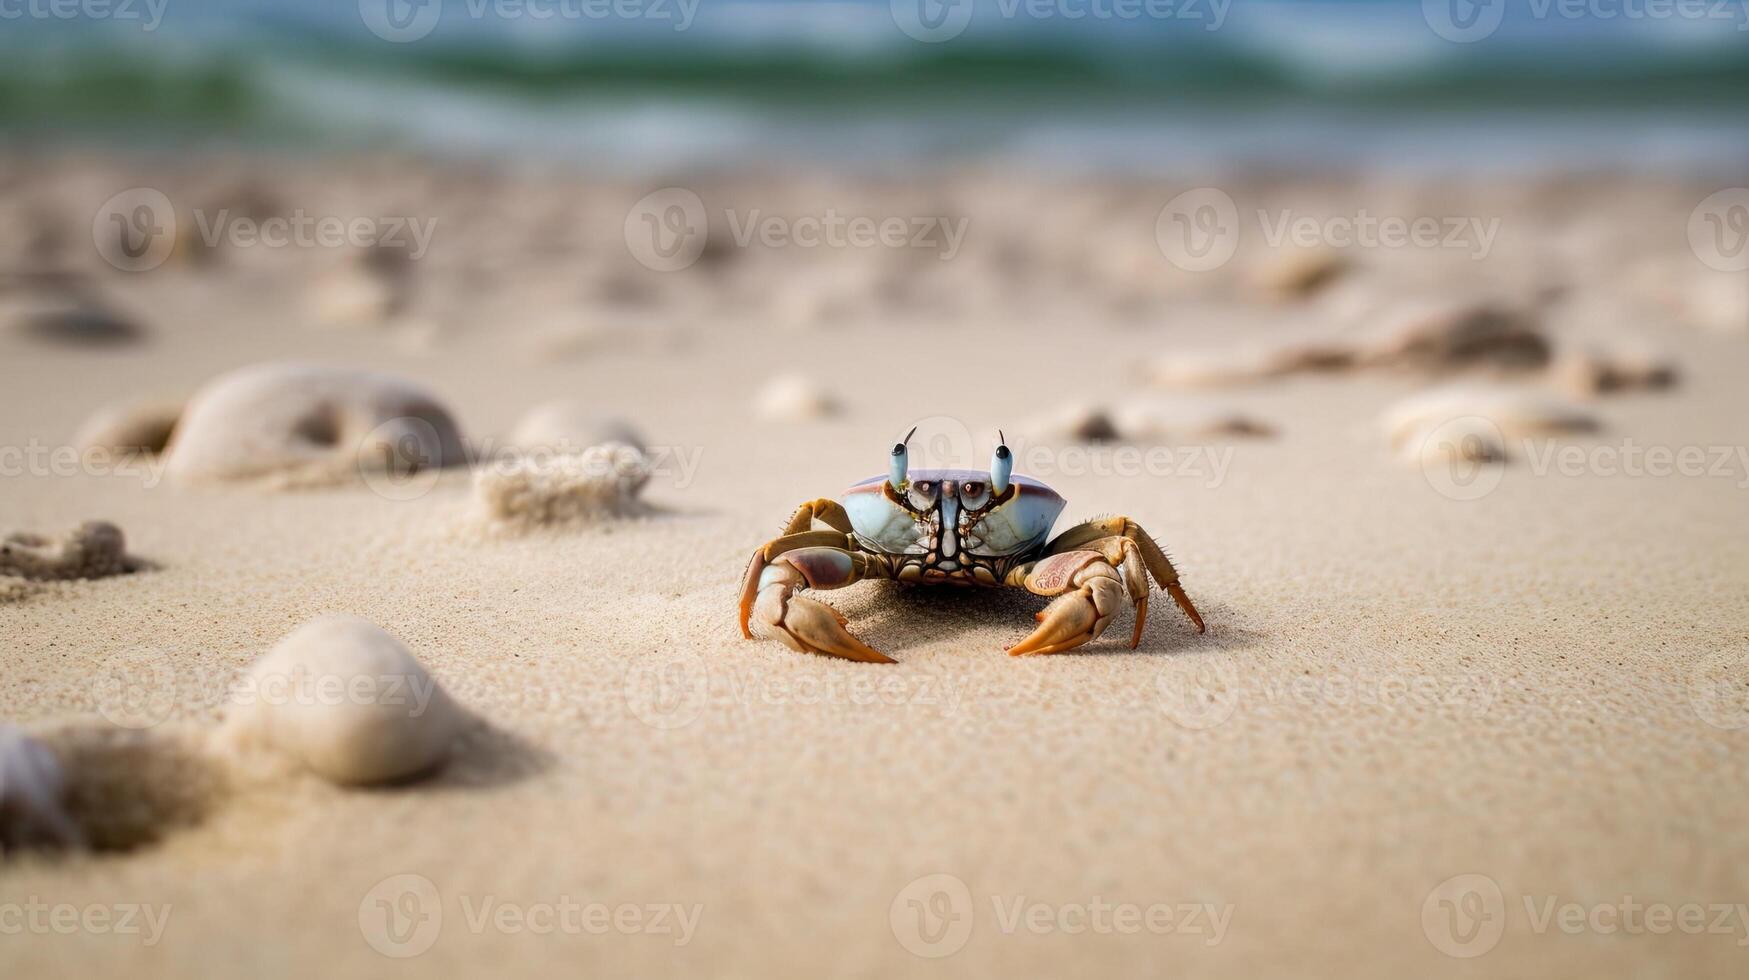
(1545,686)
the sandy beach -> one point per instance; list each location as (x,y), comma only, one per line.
(1533,671)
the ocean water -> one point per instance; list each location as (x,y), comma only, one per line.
(1120,86)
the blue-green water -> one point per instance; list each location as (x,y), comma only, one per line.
(1104,85)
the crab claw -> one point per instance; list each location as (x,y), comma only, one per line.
(1073,618)
(814,627)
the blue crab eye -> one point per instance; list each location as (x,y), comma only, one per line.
(1001,467)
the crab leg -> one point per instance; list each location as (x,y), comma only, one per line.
(802,623)
(1092,533)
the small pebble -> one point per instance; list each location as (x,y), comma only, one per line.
(793,398)
(94,549)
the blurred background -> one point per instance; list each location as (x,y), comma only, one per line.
(1101,86)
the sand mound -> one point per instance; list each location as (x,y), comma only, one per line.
(71,317)
(127,788)
(302,425)
(130,427)
(1599,369)
(94,549)
(552,489)
(1477,419)
(344,699)
(33,790)
(1444,338)
(1440,339)
(1151,422)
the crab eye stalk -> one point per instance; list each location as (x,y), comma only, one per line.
(1001,467)
(900,461)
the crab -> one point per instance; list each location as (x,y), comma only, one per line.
(954,527)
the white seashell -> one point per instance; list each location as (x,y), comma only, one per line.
(32,795)
(793,398)
(304,424)
(568,426)
(345,700)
